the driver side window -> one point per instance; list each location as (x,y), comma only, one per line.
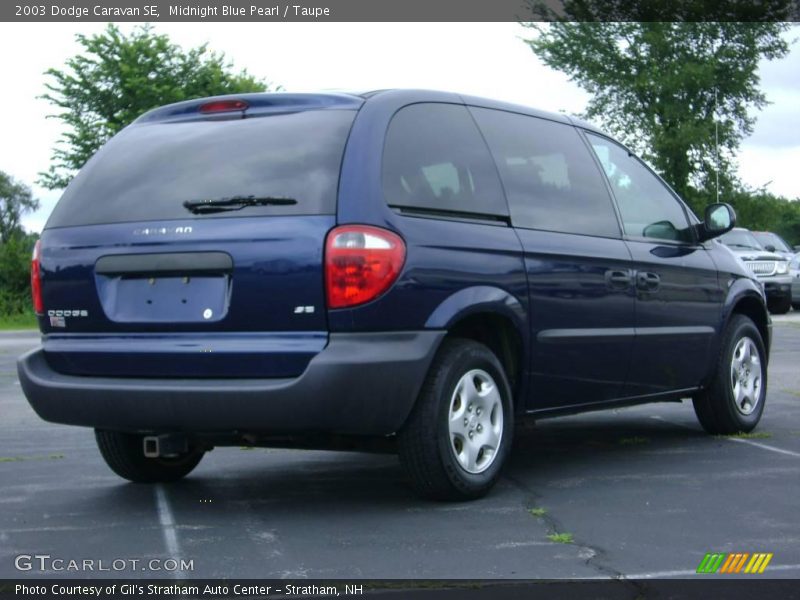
(647,208)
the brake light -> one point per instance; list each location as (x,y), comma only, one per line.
(223,106)
(361,262)
(36,279)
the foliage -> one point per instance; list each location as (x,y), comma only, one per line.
(660,86)
(761,211)
(15,246)
(15,200)
(15,264)
(117,77)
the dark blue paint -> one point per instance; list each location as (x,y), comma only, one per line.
(542,282)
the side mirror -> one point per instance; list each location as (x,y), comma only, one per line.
(720,218)
(769,248)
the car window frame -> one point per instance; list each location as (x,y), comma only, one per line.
(495,219)
(687,213)
(620,230)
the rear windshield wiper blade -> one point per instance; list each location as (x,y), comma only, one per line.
(216,205)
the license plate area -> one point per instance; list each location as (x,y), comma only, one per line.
(182,299)
(165,288)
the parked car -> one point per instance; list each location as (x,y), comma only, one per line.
(794,271)
(405,268)
(771,269)
(772,242)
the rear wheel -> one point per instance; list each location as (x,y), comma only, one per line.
(124,454)
(735,399)
(458,436)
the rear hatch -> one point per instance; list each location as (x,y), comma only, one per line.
(191,244)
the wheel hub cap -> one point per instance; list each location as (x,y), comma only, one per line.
(475,421)
(746,375)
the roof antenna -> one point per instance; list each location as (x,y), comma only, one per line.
(716,137)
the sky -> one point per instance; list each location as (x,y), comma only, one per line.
(482,59)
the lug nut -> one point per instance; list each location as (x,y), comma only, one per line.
(480,428)
(469,408)
(466,422)
(477,411)
(471,434)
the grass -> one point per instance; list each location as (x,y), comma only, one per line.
(19,321)
(633,440)
(560,538)
(756,435)
(538,512)
(5,459)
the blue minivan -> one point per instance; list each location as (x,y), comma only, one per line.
(406,269)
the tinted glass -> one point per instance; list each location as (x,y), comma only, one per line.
(741,239)
(550,178)
(146,172)
(648,209)
(435,158)
(771,239)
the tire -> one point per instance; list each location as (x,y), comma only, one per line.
(717,408)
(780,307)
(459,460)
(124,454)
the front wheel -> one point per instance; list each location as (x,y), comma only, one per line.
(458,436)
(734,402)
(124,454)
(780,307)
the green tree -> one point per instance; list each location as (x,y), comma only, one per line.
(117,77)
(659,86)
(15,278)
(16,199)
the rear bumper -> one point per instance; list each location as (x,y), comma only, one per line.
(362,384)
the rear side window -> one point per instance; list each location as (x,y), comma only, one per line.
(435,158)
(551,180)
(147,172)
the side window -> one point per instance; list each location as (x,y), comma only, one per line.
(434,158)
(550,177)
(648,209)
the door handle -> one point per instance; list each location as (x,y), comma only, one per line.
(619,279)
(648,282)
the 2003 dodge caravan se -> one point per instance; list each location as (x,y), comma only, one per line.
(421,268)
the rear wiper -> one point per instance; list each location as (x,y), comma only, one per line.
(201,207)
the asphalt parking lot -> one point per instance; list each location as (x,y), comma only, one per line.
(639,492)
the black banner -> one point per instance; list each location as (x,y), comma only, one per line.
(398,10)
(610,589)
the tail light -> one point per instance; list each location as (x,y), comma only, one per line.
(36,279)
(361,263)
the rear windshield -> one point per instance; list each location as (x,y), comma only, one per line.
(147,172)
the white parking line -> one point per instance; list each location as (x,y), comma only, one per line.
(167,521)
(734,439)
(765,447)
